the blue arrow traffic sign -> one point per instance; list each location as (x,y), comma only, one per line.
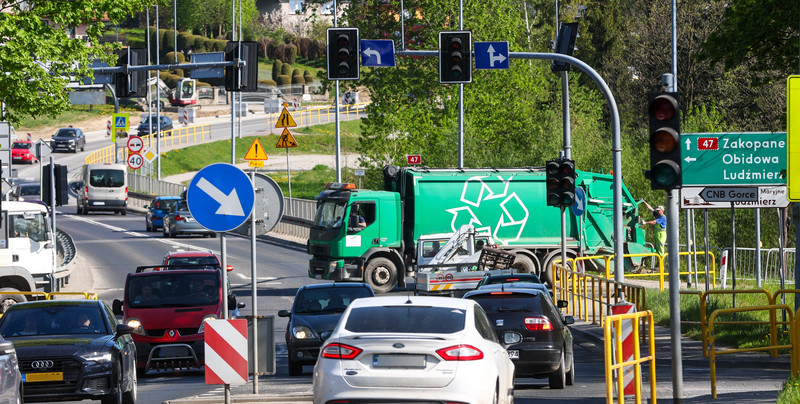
(580,202)
(491,55)
(220,197)
(377,52)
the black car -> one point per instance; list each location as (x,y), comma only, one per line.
(69,139)
(149,125)
(72,350)
(508,278)
(315,313)
(536,333)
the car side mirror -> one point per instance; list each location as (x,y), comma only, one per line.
(147,206)
(325,335)
(284,313)
(229,268)
(123,329)
(116,307)
(569,320)
(6,347)
(562,304)
(240,305)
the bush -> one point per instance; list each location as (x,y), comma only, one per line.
(284,80)
(286,70)
(280,50)
(302,47)
(170,58)
(185,41)
(271,47)
(276,69)
(267,82)
(308,76)
(298,79)
(171,80)
(290,55)
(315,50)
(219,45)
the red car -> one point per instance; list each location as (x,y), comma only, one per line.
(168,305)
(22,152)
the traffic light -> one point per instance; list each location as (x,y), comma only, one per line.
(244,78)
(565,45)
(665,151)
(560,179)
(62,190)
(344,48)
(131,84)
(455,57)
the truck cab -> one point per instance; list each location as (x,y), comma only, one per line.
(168,306)
(371,244)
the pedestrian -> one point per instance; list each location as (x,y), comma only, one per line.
(660,224)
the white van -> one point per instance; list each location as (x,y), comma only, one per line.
(103,187)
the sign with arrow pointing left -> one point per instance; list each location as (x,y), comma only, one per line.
(220,197)
(377,53)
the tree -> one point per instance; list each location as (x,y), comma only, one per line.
(213,17)
(39,58)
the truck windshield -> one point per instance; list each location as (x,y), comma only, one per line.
(30,225)
(330,214)
(172,289)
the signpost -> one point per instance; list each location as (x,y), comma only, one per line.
(768,197)
(135,161)
(220,197)
(135,144)
(255,155)
(377,53)
(491,55)
(719,194)
(733,159)
(285,141)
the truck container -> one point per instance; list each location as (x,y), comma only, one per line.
(509,204)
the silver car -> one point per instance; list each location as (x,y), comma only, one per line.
(180,221)
(10,377)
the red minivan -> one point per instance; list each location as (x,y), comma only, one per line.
(167,305)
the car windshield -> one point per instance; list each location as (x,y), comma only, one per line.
(209,261)
(66,133)
(164,204)
(107,178)
(180,205)
(171,289)
(330,214)
(494,303)
(327,300)
(406,319)
(53,320)
(21,145)
(28,190)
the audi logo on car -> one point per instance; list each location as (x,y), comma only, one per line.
(45,364)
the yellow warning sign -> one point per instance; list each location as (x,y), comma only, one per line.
(256,151)
(285,120)
(286,140)
(255,163)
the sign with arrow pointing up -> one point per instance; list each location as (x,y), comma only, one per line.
(491,55)
(220,197)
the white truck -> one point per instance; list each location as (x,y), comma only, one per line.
(30,258)
(454,263)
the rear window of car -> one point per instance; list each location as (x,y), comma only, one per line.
(509,302)
(193,261)
(107,178)
(164,204)
(406,319)
(512,279)
(27,190)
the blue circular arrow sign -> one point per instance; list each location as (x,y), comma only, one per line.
(220,197)
(580,202)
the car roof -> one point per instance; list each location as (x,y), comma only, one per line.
(521,287)
(168,197)
(437,301)
(334,285)
(172,254)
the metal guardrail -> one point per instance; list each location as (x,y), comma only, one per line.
(169,138)
(770,263)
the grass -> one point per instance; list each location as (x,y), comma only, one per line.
(736,335)
(790,392)
(76,114)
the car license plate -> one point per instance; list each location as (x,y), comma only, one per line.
(173,351)
(398,361)
(189,219)
(513,354)
(43,377)
(100,203)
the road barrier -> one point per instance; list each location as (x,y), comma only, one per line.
(85,295)
(169,138)
(615,363)
(313,116)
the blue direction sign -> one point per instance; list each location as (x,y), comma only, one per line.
(491,55)
(580,202)
(377,52)
(220,197)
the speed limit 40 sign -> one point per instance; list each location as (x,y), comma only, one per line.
(135,161)
(135,144)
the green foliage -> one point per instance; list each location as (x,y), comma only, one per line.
(286,69)
(284,79)
(298,79)
(26,88)
(277,68)
(268,82)
(790,391)
(290,53)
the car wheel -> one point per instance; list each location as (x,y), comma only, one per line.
(558,378)
(78,210)
(116,398)
(83,146)
(570,380)
(295,369)
(381,274)
(124,212)
(165,231)
(214,235)
(7,300)
(131,395)
(148,227)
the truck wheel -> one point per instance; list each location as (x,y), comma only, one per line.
(551,257)
(381,275)
(524,264)
(7,300)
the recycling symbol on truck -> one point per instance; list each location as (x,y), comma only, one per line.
(494,211)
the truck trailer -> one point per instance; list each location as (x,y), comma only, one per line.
(507,203)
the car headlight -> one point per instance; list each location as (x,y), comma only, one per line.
(202,328)
(302,332)
(72,140)
(137,326)
(98,357)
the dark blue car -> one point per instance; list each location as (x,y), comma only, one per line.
(156,211)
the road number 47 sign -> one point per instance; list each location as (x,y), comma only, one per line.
(415,159)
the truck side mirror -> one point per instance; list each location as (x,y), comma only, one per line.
(116,307)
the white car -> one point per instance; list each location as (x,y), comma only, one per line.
(417,348)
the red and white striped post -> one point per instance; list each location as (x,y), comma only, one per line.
(186,116)
(108,129)
(624,307)
(723,268)
(226,351)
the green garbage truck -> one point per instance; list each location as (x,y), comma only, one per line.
(371,236)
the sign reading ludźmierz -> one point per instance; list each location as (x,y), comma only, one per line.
(726,159)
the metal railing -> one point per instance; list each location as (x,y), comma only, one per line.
(613,347)
(770,263)
(314,116)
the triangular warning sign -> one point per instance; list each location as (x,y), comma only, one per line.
(256,151)
(285,120)
(286,140)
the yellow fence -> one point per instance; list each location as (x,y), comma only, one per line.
(170,138)
(713,352)
(85,295)
(314,116)
(614,360)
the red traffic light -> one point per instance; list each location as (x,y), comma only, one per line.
(663,107)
